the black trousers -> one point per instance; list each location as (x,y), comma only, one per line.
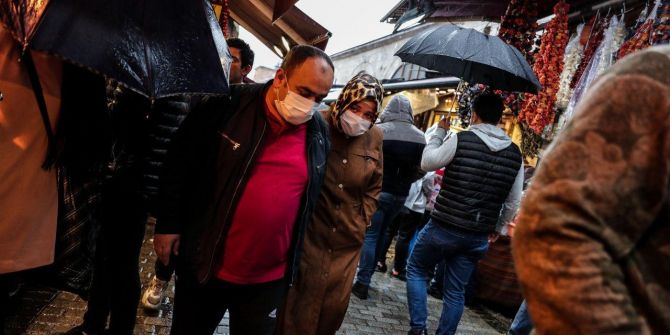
(406,231)
(115,290)
(4,299)
(390,232)
(253,309)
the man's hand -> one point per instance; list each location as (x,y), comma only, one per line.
(444,124)
(492,237)
(165,245)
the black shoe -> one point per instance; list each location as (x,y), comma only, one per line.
(381,267)
(360,290)
(400,275)
(417,332)
(435,292)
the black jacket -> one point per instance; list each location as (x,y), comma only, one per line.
(207,168)
(166,116)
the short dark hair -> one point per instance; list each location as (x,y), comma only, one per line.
(245,50)
(489,107)
(299,54)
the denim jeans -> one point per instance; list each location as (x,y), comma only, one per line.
(460,251)
(389,206)
(522,324)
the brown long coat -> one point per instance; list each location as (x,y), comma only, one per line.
(318,301)
(28,194)
(592,247)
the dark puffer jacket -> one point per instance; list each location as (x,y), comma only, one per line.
(166,117)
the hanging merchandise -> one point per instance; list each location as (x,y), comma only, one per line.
(619,37)
(662,31)
(601,61)
(224,19)
(465,102)
(518,25)
(643,35)
(517,28)
(538,110)
(604,57)
(571,59)
(596,33)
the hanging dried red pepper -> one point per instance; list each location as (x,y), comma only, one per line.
(224,19)
(538,110)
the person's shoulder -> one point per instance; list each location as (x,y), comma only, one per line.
(653,63)
(247,88)
(376,135)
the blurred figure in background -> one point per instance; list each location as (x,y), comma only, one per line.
(243,61)
(403,145)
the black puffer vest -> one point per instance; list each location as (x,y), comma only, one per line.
(476,184)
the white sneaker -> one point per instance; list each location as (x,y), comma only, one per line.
(153,295)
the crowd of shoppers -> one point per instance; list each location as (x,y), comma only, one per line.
(266,205)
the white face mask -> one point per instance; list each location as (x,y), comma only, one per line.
(354,125)
(295,108)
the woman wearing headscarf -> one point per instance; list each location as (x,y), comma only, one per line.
(318,301)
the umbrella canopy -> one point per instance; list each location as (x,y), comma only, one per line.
(472,56)
(157,48)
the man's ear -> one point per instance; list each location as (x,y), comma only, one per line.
(245,70)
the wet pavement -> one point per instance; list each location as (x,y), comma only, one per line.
(41,310)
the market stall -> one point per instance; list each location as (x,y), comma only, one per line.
(575,47)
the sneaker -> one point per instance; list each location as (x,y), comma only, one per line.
(381,267)
(360,290)
(400,275)
(153,295)
(417,332)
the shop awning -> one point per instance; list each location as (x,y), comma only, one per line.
(444,10)
(278,24)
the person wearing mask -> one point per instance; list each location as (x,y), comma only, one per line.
(592,243)
(317,303)
(403,145)
(243,61)
(167,115)
(241,179)
(483,177)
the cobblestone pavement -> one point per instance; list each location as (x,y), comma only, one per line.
(46,311)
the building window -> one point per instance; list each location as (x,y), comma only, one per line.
(409,71)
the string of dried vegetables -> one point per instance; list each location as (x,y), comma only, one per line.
(538,110)
(571,59)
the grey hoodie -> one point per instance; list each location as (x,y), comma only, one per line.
(397,122)
(439,152)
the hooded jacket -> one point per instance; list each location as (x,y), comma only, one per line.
(476,191)
(403,145)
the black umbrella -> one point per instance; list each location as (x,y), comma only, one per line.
(157,48)
(472,56)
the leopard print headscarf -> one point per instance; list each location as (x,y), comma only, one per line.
(362,86)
